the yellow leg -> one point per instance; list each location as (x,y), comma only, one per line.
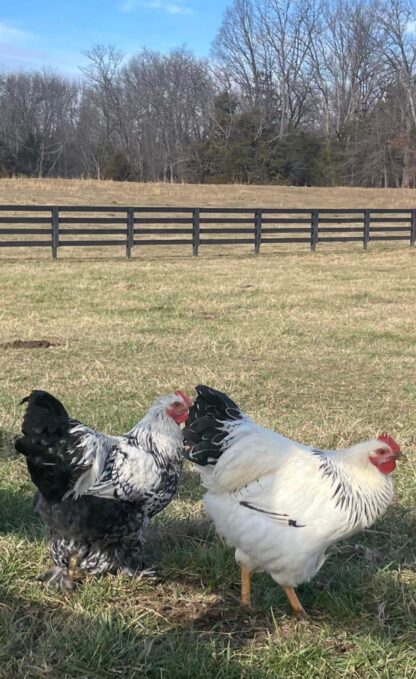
(245,587)
(297,608)
(72,566)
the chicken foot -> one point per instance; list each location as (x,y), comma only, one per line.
(129,572)
(245,601)
(60,577)
(57,577)
(297,608)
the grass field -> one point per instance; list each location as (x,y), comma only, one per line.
(92,192)
(320,347)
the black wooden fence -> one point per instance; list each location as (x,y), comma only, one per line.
(69,226)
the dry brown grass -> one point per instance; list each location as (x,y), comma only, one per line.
(92,192)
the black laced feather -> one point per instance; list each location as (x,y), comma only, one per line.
(204,431)
(50,450)
(106,533)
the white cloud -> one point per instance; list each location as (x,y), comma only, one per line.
(162,5)
(411,27)
(14,52)
(9,33)
(18,47)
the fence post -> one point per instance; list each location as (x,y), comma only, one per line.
(130,231)
(55,231)
(195,231)
(257,230)
(412,228)
(314,229)
(366,231)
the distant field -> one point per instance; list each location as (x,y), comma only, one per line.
(320,347)
(92,192)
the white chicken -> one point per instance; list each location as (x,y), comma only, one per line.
(279,503)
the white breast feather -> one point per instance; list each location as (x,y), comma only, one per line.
(285,478)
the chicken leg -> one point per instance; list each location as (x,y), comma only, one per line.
(297,608)
(57,577)
(245,587)
(72,567)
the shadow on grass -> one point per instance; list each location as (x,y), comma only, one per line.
(190,625)
(46,639)
(16,492)
(162,635)
(361,588)
(365,583)
(360,578)
(17,515)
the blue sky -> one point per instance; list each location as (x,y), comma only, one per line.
(41,33)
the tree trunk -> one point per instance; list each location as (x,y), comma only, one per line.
(407,169)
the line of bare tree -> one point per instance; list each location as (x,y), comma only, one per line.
(295,91)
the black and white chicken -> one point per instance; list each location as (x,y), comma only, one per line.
(97,493)
(279,503)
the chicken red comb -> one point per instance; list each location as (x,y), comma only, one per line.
(395,448)
(186,398)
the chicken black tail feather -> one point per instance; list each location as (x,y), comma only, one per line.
(44,443)
(45,417)
(204,431)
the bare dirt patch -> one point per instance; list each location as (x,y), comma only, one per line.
(30,344)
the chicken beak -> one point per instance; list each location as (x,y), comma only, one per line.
(402,457)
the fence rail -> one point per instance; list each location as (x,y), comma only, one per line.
(131,227)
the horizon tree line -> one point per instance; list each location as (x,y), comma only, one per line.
(295,92)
